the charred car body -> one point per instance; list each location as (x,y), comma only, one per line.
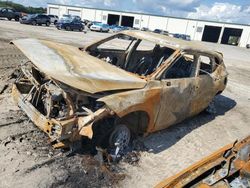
(130,82)
(227,167)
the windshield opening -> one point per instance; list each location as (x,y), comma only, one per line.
(131,54)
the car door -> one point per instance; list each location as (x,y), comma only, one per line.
(3,12)
(38,19)
(44,19)
(178,84)
(74,25)
(205,89)
(11,13)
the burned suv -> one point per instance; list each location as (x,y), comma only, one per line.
(131,82)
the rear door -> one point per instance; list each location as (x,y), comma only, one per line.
(204,90)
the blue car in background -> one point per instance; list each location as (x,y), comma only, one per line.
(70,24)
(117,28)
(182,36)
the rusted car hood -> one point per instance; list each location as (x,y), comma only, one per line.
(77,68)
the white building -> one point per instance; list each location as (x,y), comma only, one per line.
(201,30)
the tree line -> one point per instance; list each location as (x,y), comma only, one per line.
(20,8)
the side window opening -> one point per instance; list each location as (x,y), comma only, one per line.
(183,67)
(207,65)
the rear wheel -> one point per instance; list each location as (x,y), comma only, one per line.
(55,22)
(47,24)
(9,19)
(16,19)
(81,29)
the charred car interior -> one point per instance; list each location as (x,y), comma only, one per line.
(129,83)
(227,167)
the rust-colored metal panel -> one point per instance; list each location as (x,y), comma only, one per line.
(227,167)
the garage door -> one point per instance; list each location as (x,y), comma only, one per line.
(74,12)
(54,11)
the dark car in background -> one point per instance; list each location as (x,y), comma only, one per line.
(36,19)
(182,36)
(9,14)
(160,31)
(70,24)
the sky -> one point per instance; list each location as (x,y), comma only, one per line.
(236,11)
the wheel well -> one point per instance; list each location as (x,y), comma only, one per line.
(137,121)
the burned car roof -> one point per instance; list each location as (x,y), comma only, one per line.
(77,68)
(167,41)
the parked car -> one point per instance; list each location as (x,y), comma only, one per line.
(182,36)
(160,31)
(116,28)
(36,19)
(157,31)
(10,14)
(70,24)
(53,19)
(97,26)
(144,29)
(112,89)
(69,16)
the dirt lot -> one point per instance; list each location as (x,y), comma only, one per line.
(28,160)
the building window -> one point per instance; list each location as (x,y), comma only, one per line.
(199,29)
(137,21)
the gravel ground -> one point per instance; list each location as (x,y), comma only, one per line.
(27,159)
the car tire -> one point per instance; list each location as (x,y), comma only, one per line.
(47,24)
(67,28)
(9,19)
(55,22)
(81,29)
(120,137)
(33,22)
(101,30)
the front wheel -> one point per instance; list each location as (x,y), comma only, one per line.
(16,19)
(33,23)
(9,19)
(47,24)
(67,28)
(81,29)
(120,138)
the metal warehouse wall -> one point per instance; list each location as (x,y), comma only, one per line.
(194,28)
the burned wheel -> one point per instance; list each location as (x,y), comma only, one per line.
(120,137)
